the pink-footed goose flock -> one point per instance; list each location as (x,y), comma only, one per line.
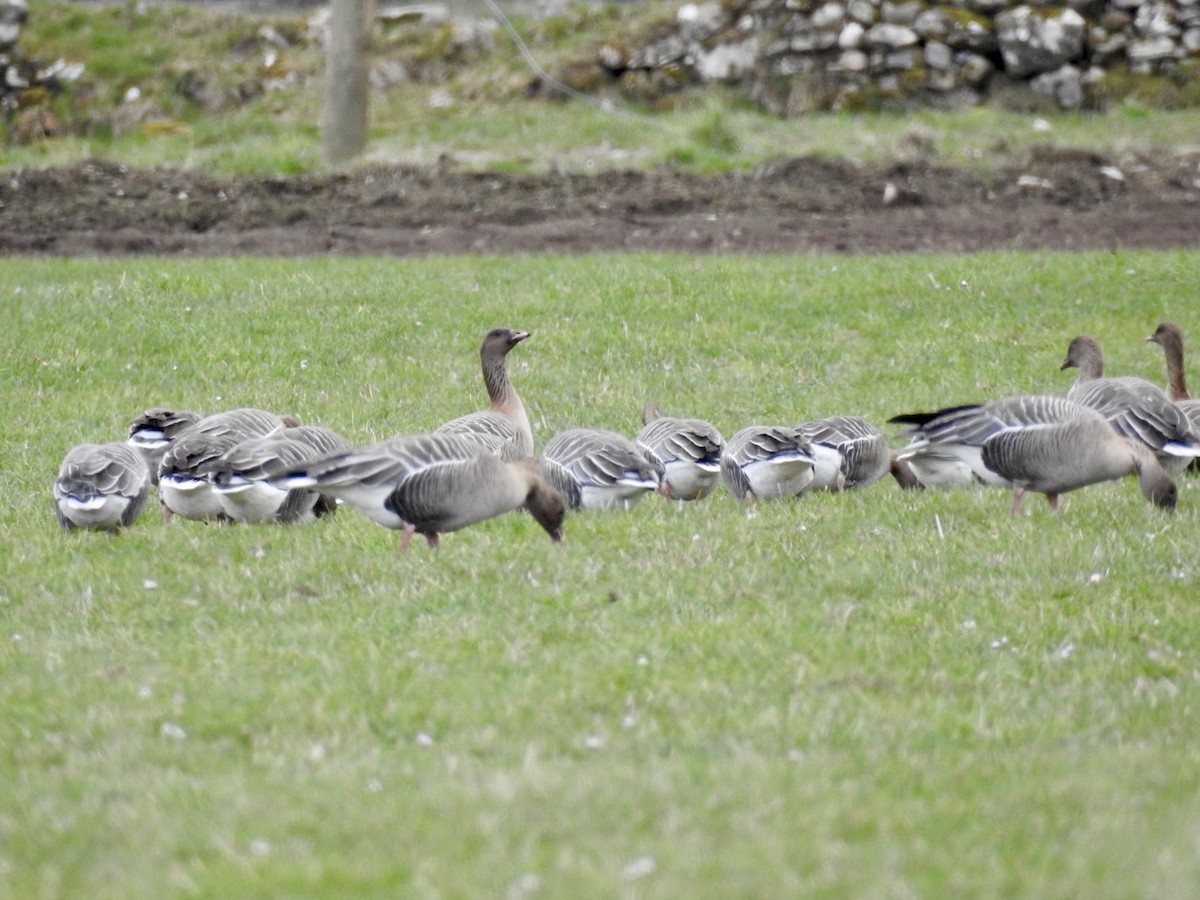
(252,466)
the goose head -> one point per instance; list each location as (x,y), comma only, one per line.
(498,341)
(1084,354)
(543,501)
(1156,484)
(1169,336)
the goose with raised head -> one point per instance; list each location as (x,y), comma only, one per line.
(766,462)
(184,473)
(1169,336)
(430,484)
(598,469)
(504,421)
(1049,445)
(151,433)
(1135,407)
(101,487)
(242,477)
(847,451)
(689,451)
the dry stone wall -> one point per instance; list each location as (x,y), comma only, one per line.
(794,55)
(24,83)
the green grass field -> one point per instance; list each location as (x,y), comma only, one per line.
(879,694)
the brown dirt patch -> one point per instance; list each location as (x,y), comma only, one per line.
(1059,200)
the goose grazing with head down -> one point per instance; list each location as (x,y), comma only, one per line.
(689,451)
(847,452)
(241,478)
(598,469)
(1049,445)
(151,433)
(767,462)
(430,484)
(1135,407)
(505,421)
(184,474)
(1169,336)
(101,487)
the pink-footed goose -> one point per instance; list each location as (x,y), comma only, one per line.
(1049,445)
(847,452)
(766,462)
(1135,407)
(184,473)
(242,477)
(151,433)
(688,450)
(101,487)
(504,422)
(431,484)
(598,469)
(1169,336)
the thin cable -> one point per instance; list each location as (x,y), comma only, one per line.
(554,83)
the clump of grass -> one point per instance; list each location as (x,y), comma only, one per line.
(715,133)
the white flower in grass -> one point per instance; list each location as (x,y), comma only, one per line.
(639,867)
(423,739)
(173,731)
(968,625)
(593,742)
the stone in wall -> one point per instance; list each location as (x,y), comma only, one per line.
(1033,42)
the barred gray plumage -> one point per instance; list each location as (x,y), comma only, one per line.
(100,486)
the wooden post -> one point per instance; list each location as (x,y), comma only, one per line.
(347,92)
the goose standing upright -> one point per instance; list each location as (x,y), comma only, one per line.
(1050,445)
(185,485)
(1133,406)
(848,452)
(241,478)
(766,462)
(1169,336)
(101,487)
(598,469)
(151,433)
(504,423)
(430,484)
(689,451)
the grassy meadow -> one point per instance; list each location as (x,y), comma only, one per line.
(877,694)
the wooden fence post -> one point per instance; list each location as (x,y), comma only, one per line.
(347,91)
